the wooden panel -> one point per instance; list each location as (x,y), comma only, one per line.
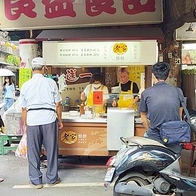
(139,130)
(83,139)
(87,139)
(148,76)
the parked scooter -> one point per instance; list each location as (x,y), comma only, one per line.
(144,167)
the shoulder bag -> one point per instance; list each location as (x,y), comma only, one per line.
(176,132)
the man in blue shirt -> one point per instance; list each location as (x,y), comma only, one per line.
(41,113)
(160,103)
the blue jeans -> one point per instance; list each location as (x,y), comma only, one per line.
(8,103)
(154,135)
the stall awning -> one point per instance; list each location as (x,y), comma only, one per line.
(112,33)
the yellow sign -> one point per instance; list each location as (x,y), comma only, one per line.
(120,48)
(24,75)
(135,73)
(69,137)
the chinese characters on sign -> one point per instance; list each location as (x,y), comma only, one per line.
(24,75)
(71,137)
(135,73)
(54,9)
(82,138)
(80,89)
(43,12)
(72,82)
(101,52)
(72,76)
(97,97)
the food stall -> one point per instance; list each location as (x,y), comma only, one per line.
(98,36)
(95,135)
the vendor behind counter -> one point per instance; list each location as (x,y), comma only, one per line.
(96,84)
(127,89)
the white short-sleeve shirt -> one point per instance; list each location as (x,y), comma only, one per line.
(39,92)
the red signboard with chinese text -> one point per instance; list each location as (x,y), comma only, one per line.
(36,14)
(97,97)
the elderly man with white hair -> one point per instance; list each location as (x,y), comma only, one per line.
(41,113)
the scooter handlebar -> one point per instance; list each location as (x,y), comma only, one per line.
(124,140)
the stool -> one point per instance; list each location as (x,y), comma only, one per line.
(10,138)
(191,164)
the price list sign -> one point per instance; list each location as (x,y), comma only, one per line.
(89,53)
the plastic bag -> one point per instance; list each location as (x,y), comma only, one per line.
(21,150)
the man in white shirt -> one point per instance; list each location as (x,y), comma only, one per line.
(41,113)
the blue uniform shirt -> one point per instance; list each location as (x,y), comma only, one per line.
(161,102)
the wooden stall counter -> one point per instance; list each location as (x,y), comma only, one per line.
(139,128)
(87,137)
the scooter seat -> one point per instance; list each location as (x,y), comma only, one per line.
(176,148)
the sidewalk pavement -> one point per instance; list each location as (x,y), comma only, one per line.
(77,178)
(80,176)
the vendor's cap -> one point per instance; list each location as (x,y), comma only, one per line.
(38,63)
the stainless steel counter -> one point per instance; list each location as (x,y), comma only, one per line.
(76,118)
(67,118)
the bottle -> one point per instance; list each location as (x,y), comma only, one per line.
(114,102)
(105,106)
(67,100)
(82,109)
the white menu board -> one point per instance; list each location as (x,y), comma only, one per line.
(99,52)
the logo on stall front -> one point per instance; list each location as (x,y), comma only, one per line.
(120,48)
(69,137)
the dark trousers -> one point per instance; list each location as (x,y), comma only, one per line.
(46,135)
